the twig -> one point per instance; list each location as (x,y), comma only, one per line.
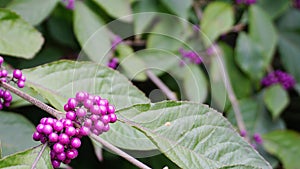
(170,94)
(236,28)
(38,157)
(119,152)
(56,113)
(197,10)
(31,99)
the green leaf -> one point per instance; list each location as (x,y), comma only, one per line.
(117,8)
(94,38)
(0,149)
(263,33)
(285,146)
(195,83)
(60,80)
(18,38)
(192,135)
(24,159)
(142,18)
(132,65)
(289,40)
(276,9)
(33,11)
(15,133)
(180,8)
(249,57)
(218,17)
(234,73)
(276,99)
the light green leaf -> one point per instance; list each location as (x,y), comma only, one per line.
(192,135)
(24,159)
(249,57)
(133,66)
(15,133)
(142,18)
(91,33)
(285,145)
(33,11)
(276,99)
(195,83)
(276,9)
(60,80)
(117,8)
(218,17)
(180,8)
(18,38)
(263,33)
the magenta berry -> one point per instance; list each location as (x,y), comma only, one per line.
(67,122)
(1,61)
(61,156)
(84,131)
(80,96)
(72,103)
(36,136)
(88,103)
(75,142)
(47,129)
(112,117)
(99,125)
(64,138)
(111,109)
(257,138)
(95,109)
(88,123)
(21,84)
(71,154)
(58,126)
(58,148)
(70,131)
(80,112)
(53,137)
(71,115)
(55,163)
(17,73)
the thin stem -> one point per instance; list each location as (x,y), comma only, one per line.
(197,10)
(119,152)
(39,156)
(170,94)
(31,99)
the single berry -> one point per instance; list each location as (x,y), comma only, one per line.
(47,129)
(36,136)
(105,119)
(4,73)
(66,107)
(88,103)
(88,122)
(67,161)
(257,138)
(58,148)
(53,137)
(52,154)
(72,103)
(80,112)
(67,122)
(70,131)
(23,78)
(103,102)
(44,140)
(21,83)
(71,115)
(17,74)
(64,138)
(99,125)
(95,110)
(112,117)
(75,142)
(94,117)
(111,109)
(55,163)
(103,110)
(49,121)
(80,96)
(43,120)
(58,126)
(71,154)
(84,131)
(106,128)
(61,156)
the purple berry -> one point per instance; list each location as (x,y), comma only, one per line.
(71,115)
(43,120)
(53,137)
(75,142)
(6,104)
(112,117)
(21,83)
(43,140)
(243,133)
(111,109)
(97,99)
(106,128)
(70,131)
(67,122)
(84,131)
(1,61)
(55,163)
(72,103)
(80,112)
(80,96)
(95,110)
(4,73)
(49,121)
(105,119)
(96,132)
(22,78)
(61,156)
(66,107)
(6,94)
(58,126)
(88,122)
(36,136)
(99,125)
(17,74)
(257,138)
(103,102)
(67,161)
(71,154)
(88,104)
(64,138)
(47,129)
(103,110)
(52,154)
(94,117)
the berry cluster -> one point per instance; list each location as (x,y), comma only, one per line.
(286,80)
(91,112)
(246,2)
(113,63)
(192,56)
(85,113)
(296,4)
(17,77)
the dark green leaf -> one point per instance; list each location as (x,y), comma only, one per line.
(15,133)
(276,99)
(277,7)
(218,17)
(192,135)
(249,57)
(285,145)
(25,159)
(60,80)
(117,8)
(179,8)
(263,33)
(195,83)
(18,38)
(33,11)
(91,33)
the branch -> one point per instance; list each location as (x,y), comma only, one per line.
(119,152)
(38,157)
(31,99)
(170,94)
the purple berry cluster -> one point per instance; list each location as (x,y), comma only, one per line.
(296,4)
(113,63)
(192,56)
(70,4)
(86,114)
(93,113)
(61,136)
(279,77)
(17,77)
(246,2)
